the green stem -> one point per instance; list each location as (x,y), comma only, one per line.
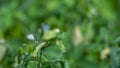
(38,49)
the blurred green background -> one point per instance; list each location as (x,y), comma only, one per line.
(91,28)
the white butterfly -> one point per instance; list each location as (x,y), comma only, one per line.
(30,37)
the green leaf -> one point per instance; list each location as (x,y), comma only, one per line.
(49,35)
(32,64)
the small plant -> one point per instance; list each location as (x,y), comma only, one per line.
(39,53)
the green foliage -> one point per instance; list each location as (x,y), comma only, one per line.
(115,60)
(88,46)
(30,56)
